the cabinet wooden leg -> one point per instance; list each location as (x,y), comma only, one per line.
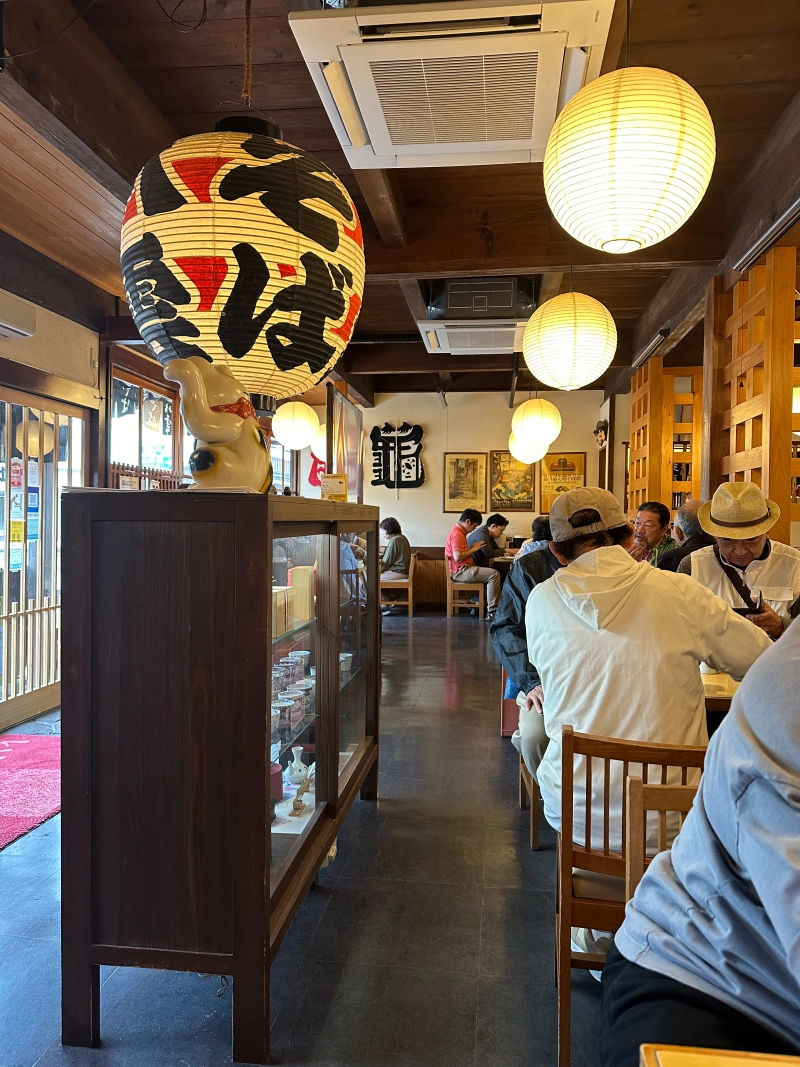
(80,1005)
(369,790)
(251,1018)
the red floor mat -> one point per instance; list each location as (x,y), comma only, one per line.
(30,782)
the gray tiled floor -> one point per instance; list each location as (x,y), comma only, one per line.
(428,942)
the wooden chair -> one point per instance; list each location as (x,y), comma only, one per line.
(639,800)
(529,793)
(590,881)
(402,583)
(455,601)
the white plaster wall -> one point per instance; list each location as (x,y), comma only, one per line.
(472,422)
(59,346)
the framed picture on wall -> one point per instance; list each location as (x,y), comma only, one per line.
(464,481)
(560,472)
(511,483)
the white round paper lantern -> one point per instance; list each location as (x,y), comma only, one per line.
(295,424)
(536,422)
(525,452)
(319,446)
(629,159)
(569,341)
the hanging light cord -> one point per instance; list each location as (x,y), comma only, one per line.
(247,84)
(627,33)
(61,32)
(184,27)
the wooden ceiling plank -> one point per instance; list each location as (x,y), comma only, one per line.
(764,58)
(384,197)
(80,80)
(46,176)
(679,20)
(183,90)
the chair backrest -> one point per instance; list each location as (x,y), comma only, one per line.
(656,760)
(641,799)
(412,566)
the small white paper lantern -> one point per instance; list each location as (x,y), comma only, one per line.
(525,452)
(295,424)
(536,422)
(629,159)
(569,341)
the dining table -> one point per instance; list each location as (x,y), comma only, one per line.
(685,1056)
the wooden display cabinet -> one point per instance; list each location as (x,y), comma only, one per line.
(170,633)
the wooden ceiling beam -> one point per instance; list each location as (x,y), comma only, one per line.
(384,197)
(79,80)
(551,285)
(415,359)
(360,388)
(413,297)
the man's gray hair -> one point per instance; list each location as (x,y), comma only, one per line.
(686,518)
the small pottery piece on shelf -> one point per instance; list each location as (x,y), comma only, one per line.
(298,806)
(297,771)
(276,780)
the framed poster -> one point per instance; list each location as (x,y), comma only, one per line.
(511,483)
(561,471)
(464,481)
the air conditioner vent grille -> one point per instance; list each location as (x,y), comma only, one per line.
(463,341)
(457,99)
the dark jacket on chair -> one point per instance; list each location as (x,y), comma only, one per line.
(507,631)
(671,560)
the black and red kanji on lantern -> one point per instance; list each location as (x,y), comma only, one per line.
(242,249)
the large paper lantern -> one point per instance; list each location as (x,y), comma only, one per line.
(525,451)
(629,159)
(569,341)
(295,425)
(241,249)
(536,422)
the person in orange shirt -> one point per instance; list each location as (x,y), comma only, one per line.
(459,554)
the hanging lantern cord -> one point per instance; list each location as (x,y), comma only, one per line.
(627,33)
(247,84)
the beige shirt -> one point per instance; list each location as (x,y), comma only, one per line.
(776,578)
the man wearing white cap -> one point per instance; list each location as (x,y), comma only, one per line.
(618,647)
(758,577)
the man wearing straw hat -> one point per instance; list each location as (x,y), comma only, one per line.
(758,577)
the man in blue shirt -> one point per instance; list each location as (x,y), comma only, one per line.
(709,953)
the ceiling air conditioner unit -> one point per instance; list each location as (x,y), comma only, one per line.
(444,85)
(17,318)
(493,337)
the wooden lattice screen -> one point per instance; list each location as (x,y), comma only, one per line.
(749,362)
(666,419)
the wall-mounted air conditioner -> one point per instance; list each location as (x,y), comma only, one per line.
(17,318)
(433,85)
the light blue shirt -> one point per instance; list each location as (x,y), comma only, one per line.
(721,911)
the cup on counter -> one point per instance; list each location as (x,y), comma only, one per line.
(307,689)
(345,661)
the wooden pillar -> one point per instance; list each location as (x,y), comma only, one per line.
(716,355)
(776,463)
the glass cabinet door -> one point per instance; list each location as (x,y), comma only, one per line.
(296,651)
(354,672)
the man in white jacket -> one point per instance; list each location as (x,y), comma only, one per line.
(618,646)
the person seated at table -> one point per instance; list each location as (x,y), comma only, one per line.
(396,558)
(709,953)
(689,534)
(540,537)
(745,567)
(459,557)
(510,644)
(651,539)
(484,539)
(618,647)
